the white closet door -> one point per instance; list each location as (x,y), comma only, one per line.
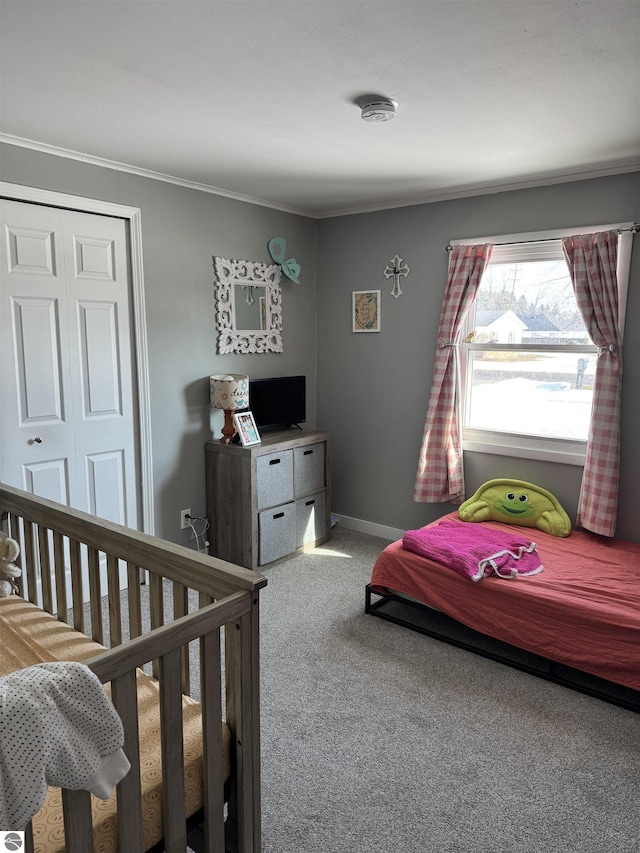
(100,349)
(67,414)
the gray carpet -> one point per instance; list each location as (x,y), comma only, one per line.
(375,738)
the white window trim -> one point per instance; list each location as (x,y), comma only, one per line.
(502,242)
(543,246)
(543,449)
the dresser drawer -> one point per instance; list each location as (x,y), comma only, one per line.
(311,519)
(274,478)
(308,468)
(276,532)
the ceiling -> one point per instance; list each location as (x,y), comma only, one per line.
(257,99)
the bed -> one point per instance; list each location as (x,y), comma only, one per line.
(195,768)
(577,621)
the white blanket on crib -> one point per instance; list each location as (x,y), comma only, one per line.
(57,727)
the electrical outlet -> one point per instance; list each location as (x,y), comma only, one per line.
(184,513)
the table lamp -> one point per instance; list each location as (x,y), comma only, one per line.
(230,392)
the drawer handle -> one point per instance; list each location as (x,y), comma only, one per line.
(274,462)
(307,452)
(279,515)
(309,503)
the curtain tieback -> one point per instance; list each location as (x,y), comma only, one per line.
(606,348)
(443,344)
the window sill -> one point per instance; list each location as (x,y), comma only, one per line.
(517,447)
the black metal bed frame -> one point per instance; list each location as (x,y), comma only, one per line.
(549,670)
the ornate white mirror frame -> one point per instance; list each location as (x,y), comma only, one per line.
(239,280)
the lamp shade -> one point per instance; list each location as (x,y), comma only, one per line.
(229,391)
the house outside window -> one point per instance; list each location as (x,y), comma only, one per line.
(528,363)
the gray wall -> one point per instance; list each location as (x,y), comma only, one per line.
(181,230)
(373,388)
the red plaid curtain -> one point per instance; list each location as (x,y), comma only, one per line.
(440,475)
(592,260)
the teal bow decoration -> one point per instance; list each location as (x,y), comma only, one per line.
(278,251)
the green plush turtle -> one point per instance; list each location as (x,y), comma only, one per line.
(517,502)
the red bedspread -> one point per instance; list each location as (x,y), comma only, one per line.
(583,610)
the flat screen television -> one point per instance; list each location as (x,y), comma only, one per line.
(279,402)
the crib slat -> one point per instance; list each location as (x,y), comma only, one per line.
(204,599)
(181,608)
(28,833)
(62,608)
(156,609)
(242,674)
(15,531)
(213,794)
(180,600)
(77,597)
(95,595)
(45,568)
(78,825)
(124,696)
(113,588)
(133,598)
(12,524)
(156,602)
(175,833)
(30,565)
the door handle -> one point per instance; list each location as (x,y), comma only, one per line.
(36,440)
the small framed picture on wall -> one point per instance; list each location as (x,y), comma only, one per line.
(247,429)
(366,310)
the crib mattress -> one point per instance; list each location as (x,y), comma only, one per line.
(29,636)
(582,610)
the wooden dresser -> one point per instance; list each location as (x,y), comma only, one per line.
(271,500)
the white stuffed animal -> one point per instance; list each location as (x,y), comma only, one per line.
(9,550)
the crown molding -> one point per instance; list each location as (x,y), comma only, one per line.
(426,198)
(69,154)
(472,191)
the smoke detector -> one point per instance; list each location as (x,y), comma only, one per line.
(383,109)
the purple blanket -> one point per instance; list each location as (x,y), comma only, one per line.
(474,550)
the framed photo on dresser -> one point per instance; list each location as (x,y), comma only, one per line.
(247,429)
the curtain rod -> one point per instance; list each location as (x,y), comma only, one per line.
(633,228)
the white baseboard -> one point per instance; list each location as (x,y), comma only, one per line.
(369,527)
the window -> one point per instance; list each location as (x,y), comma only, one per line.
(528,363)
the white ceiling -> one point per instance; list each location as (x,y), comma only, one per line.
(256,98)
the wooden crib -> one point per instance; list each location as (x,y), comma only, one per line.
(64,552)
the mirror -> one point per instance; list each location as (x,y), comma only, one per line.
(248,306)
(250,302)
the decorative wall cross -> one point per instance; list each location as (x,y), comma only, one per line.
(396,267)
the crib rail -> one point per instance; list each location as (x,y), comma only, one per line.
(65,556)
